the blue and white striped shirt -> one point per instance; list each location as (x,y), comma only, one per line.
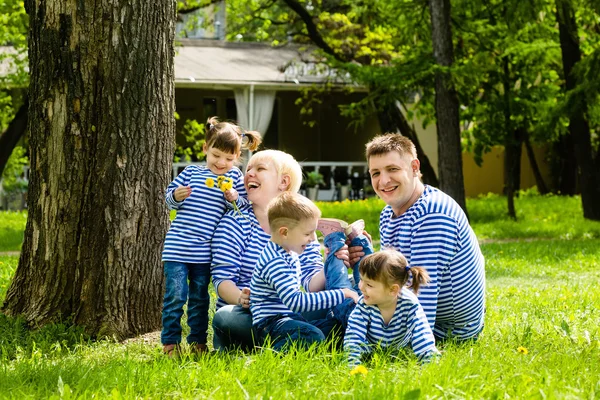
(188,239)
(434,233)
(408,327)
(275,287)
(237,244)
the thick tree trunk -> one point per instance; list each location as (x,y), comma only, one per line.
(392,120)
(539,180)
(101,130)
(446,106)
(13,134)
(589,176)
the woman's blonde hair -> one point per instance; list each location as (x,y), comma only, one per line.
(284,164)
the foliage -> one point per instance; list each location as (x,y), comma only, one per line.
(12,176)
(313,178)
(191,150)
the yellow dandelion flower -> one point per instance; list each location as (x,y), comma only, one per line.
(220,179)
(522,350)
(359,369)
(210,182)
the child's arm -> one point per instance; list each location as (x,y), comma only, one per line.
(355,338)
(238,193)
(278,275)
(422,339)
(179,189)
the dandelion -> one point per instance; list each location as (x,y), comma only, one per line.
(522,350)
(210,182)
(359,369)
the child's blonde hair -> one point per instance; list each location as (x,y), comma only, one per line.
(284,163)
(389,266)
(229,137)
(289,209)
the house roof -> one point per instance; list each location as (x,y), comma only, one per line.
(218,64)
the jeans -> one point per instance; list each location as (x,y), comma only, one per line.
(336,272)
(177,293)
(232,327)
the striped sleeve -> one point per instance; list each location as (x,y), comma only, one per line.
(422,340)
(355,338)
(434,245)
(183,179)
(277,274)
(228,246)
(311,261)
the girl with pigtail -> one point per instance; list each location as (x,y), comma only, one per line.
(388,314)
(187,250)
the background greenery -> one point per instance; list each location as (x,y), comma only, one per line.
(542,277)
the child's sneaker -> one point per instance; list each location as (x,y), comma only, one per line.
(330,225)
(171,350)
(355,229)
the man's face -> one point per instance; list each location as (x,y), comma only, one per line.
(394,177)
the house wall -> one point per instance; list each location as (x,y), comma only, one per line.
(333,138)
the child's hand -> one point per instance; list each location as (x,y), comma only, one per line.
(182,193)
(350,294)
(231,195)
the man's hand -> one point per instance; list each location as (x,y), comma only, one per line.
(231,195)
(244,299)
(356,252)
(182,193)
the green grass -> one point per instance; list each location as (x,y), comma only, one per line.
(542,296)
(12,226)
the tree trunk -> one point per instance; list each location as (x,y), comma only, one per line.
(512,169)
(392,120)
(101,130)
(565,166)
(13,134)
(539,180)
(446,106)
(589,176)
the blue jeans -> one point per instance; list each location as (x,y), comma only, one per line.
(177,275)
(232,328)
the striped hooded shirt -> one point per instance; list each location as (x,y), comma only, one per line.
(434,233)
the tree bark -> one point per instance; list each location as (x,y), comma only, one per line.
(565,166)
(539,180)
(12,135)
(512,169)
(392,120)
(101,129)
(446,106)
(588,174)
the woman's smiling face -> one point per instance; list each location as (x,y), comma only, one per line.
(262,182)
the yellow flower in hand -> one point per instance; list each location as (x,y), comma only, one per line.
(226,184)
(210,182)
(522,350)
(359,369)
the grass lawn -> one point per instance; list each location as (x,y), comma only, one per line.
(541,340)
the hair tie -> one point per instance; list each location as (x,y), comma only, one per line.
(243,135)
(407,268)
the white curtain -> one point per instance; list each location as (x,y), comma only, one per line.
(263,109)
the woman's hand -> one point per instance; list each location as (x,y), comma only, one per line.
(244,299)
(182,193)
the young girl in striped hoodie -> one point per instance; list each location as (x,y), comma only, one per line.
(388,314)
(187,249)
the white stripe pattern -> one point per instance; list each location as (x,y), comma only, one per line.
(190,234)
(275,287)
(434,233)
(407,328)
(237,244)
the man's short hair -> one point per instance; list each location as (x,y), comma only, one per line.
(383,144)
(289,209)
